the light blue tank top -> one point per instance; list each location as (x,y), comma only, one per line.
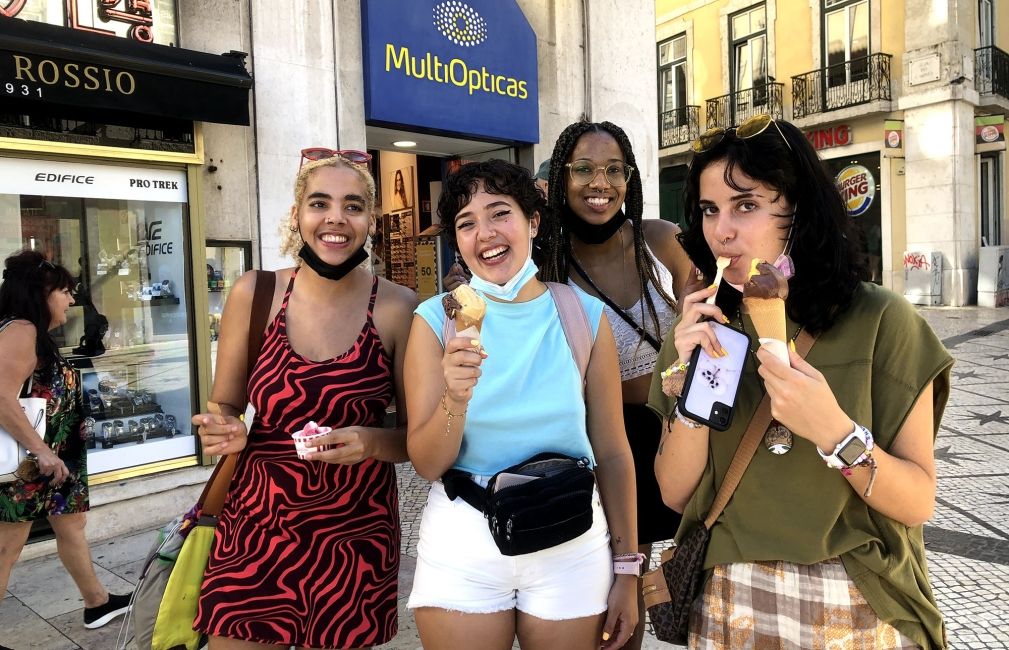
(529,398)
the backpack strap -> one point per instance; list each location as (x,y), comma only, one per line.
(574,322)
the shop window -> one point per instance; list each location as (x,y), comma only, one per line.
(152,21)
(129,331)
(991,200)
(226,262)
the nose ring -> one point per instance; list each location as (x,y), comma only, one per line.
(724,241)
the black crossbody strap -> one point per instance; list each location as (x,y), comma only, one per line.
(460,484)
(642,332)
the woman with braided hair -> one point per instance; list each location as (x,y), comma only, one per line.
(602,244)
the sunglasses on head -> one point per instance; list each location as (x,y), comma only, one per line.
(748,128)
(321,153)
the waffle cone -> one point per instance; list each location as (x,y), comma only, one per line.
(468,327)
(768,316)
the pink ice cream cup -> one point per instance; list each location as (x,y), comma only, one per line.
(305,440)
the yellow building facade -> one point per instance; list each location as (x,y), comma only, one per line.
(903,99)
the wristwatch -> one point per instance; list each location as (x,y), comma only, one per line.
(853,450)
(629,564)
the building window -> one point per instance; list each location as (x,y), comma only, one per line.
(673,77)
(153,21)
(748,36)
(985,23)
(846,41)
(991,200)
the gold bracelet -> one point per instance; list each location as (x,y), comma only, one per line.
(449,414)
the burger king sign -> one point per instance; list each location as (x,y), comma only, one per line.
(857,187)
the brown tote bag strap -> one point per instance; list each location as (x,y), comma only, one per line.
(216,489)
(748,445)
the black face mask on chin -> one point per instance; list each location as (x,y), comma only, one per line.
(590,233)
(331,271)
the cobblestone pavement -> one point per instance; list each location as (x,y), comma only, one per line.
(967,539)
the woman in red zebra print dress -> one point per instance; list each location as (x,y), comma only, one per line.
(307,551)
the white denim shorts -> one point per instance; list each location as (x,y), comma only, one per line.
(459,567)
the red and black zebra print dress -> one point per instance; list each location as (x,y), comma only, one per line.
(307,553)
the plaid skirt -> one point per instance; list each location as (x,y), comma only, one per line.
(782,605)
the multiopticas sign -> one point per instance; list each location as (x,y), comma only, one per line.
(449,65)
(456,72)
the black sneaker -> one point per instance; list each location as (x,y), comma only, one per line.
(95,617)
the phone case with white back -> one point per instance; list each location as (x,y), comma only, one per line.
(709,394)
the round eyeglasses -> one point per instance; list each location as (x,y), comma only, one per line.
(584,172)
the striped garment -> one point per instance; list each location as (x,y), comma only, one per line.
(307,553)
(782,605)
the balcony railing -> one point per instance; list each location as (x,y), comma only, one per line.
(991,71)
(679,126)
(859,81)
(729,110)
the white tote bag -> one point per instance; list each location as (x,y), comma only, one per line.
(13,452)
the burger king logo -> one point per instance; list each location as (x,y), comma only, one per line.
(857,187)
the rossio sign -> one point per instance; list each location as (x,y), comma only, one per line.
(451,66)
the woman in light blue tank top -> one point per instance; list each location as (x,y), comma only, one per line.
(480,406)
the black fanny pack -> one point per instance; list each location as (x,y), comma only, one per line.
(539,503)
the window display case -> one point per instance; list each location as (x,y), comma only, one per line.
(129,331)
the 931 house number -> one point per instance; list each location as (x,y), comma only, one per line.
(23,90)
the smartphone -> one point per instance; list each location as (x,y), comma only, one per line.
(709,393)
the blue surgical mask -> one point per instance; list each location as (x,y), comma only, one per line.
(511,288)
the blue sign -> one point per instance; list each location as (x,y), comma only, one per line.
(461,67)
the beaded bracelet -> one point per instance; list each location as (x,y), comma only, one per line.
(449,414)
(684,420)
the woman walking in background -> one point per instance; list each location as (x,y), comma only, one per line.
(53,483)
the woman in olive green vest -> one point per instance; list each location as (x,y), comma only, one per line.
(822,539)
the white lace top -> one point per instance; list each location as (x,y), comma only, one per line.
(637,356)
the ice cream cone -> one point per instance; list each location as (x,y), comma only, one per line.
(468,327)
(768,316)
(468,309)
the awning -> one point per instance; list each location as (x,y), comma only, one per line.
(46,67)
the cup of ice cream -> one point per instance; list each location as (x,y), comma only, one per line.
(306,440)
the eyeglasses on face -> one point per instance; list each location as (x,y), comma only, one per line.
(321,153)
(748,128)
(584,172)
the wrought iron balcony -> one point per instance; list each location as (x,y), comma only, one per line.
(859,81)
(679,126)
(729,110)
(991,71)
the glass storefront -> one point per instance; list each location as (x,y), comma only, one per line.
(226,262)
(122,232)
